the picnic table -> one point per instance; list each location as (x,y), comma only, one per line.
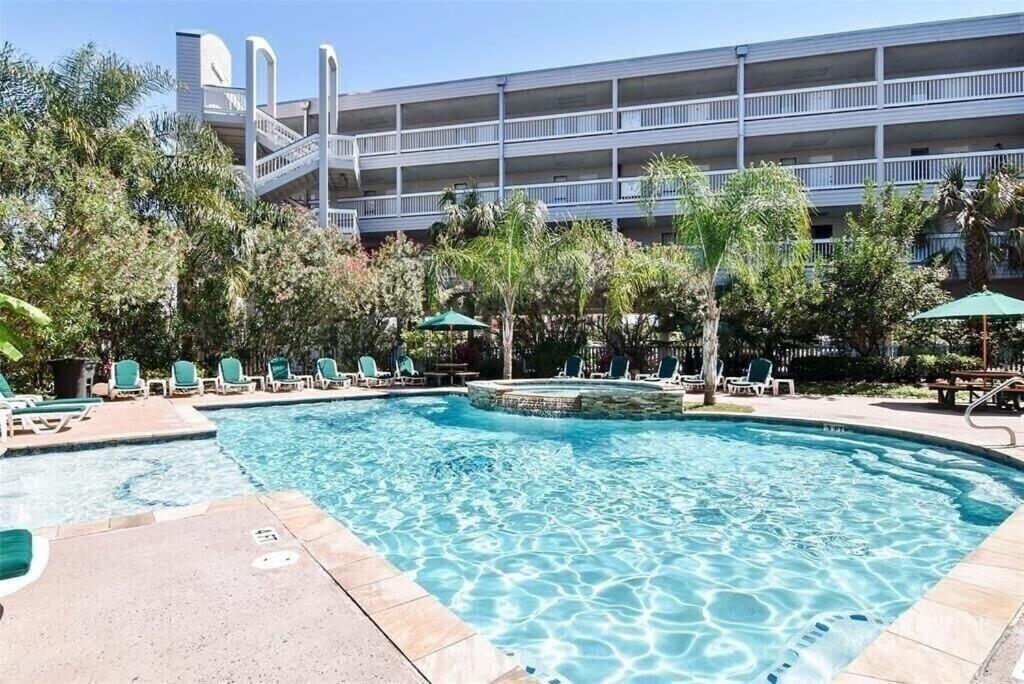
(451,371)
(977,383)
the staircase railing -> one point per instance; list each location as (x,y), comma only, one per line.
(286,158)
(985,397)
(280,134)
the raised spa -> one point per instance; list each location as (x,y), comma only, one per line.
(584,398)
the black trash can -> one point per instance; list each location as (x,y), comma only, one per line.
(72,376)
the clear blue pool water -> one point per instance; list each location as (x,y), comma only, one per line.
(688,550)
(632,551)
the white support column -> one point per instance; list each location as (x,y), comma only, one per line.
(879,77)
(398,128)
(501,138)
(879,153)
(398,191)
(879,104)
(256,47)
(327,125)
(615,175)
(741,62)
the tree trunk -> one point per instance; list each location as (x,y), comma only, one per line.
(709,341)
(506,345)
(977,257)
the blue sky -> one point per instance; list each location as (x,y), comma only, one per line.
(434,41)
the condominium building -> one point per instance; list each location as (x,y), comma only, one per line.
(897,104)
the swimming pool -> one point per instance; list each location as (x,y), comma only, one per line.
(619,550)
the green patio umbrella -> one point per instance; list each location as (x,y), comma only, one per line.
(451,321)
(978,305)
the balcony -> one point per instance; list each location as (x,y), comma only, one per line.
(932,168)
(344,221)
(974,85)
(629,188)
(559,126)
(224,100)
(441,137)
(838,98)
(683,113)
(428,203)
(372,207)
(377,143)
(569,193)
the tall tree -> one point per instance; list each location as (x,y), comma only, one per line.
(977,211)
(508,256)
(870,287)
(760,214)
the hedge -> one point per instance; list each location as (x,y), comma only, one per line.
(899,369)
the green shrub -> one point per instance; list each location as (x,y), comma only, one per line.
(900,369)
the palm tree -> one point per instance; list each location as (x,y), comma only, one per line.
(977,211)
(512,249)
(760,215)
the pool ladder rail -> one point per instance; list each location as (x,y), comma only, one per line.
(985,397)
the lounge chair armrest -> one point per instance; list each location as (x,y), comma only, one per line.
(643,376)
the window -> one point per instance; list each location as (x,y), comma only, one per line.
(459,187)
(561,179)
(668,238)
(560,195)
(788,161)
(369,193)
(919,169)
(918,151)
(821,232)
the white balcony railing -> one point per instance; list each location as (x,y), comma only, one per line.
(559,125)
(424,203)
(441,137)
(573,192)
(342,146)
(668,114)
(344,221)
(835,175)
(286,159)
(629,188)
(973,85)
(837,98)
(224,100)
(277,132)
(932,168)
(372,207)
(376,143)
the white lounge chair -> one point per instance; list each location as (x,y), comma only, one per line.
(758,377)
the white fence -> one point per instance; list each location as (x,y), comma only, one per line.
(280,134)
(973,85)
(343,220)
(688,113)
(376,143)
(372,207)
(838,98)
(834,175)
(224,100)
(450,136)
(574,192)
(932,168)
(559,126)
(287,158)
(424,203)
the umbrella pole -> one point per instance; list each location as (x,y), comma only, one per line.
(984,341)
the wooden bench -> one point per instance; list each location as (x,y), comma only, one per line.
(947,391)
(466,376)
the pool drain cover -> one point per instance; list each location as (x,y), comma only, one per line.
(264,535)
(275,559)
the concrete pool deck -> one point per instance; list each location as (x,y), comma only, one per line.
(961,629)
(173,595)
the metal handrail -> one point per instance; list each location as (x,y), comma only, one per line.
(985,397)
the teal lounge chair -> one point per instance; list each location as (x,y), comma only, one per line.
(572,368)
(668,371)
(618,369)
(758,377)
(185,379)
(279,375)
(230,377)
(369,375)
(10,400)
(327,374)
(23,559)
(44,420)
(696,382)
(125,379)
(406,373)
